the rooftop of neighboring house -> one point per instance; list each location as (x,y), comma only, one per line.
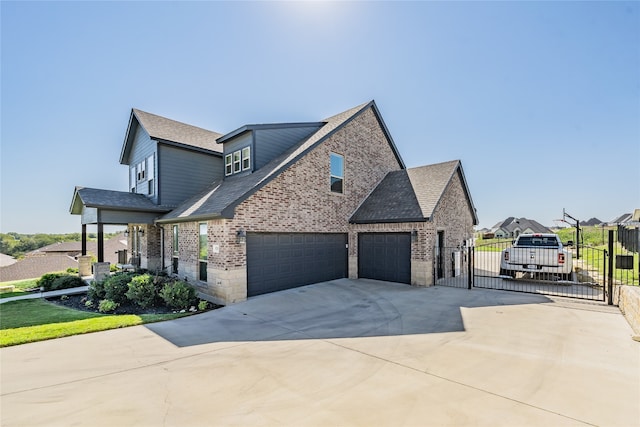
(511,223)
(112,245)
(58,257)
(6,260)
(32,267)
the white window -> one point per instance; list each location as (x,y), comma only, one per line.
(246,158)
(132,179)
(151,167)
(228,164)
(236,161)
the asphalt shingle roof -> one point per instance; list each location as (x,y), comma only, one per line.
(407,195)
(393,200)
(122,200)
(222,196)
(159,127)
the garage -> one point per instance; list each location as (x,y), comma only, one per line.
(385,256)
(278,261)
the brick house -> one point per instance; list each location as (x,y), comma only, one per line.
(273,206)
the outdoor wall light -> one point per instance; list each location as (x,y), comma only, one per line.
(414,235)
(126,233)
(241,236)
(141,231)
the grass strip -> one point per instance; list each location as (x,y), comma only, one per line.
(28,321)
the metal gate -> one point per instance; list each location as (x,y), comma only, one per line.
(452,266)
(594,273)
(587,279)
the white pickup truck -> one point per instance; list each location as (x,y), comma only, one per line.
(539,254)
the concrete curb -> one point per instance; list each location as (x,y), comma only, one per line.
(34,295)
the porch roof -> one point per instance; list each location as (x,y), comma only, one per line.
(111,200)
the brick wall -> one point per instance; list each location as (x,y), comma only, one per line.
(299,200)
(453,215)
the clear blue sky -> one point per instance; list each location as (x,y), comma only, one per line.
(540,100)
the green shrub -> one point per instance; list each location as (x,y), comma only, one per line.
(46,281)
(202,305)
(116,287)
(96,291)
(178,294)
(142,291)
(107,305)
(66,282)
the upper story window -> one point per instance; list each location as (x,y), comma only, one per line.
(337,173)
(141,172)
(238,161)
(246,158)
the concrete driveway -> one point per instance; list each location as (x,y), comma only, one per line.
(346,352)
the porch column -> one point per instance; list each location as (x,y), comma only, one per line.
(84,239)
(100,243)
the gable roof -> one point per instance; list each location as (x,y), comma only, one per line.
(411,195)
(221,198)
(510,224)
(169,131)
(110,199)
(393,200)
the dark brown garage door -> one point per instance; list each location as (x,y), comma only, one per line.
(385,256)
(278,261)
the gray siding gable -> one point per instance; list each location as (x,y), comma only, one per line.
(267,141)
(221,198)
(183,173)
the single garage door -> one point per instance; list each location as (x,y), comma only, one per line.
(278,261)
(385,256)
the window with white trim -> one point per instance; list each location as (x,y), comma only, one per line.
(246,158)
(238,161)
(228,164)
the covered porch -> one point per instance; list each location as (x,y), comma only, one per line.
(118,208)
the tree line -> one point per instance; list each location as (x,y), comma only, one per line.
(16,244)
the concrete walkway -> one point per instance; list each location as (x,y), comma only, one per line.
(347,352)
(33,295)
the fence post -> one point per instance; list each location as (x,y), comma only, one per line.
(470,267)
(611,256)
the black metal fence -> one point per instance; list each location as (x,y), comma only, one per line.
(624,265)
(583,272)
(543,271)
(452,266)
(629,238)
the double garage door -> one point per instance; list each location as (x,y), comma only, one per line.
(279,261)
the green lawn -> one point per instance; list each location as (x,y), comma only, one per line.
(36,320)
(19,287)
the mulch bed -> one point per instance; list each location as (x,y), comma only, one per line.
(77,302)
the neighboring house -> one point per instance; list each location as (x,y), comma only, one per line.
(74,249)
(31,267)
(58,257)
(513,227)
(274,206)
(628,219)
(591,222)
(6,260)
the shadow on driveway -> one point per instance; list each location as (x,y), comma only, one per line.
(343,308)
